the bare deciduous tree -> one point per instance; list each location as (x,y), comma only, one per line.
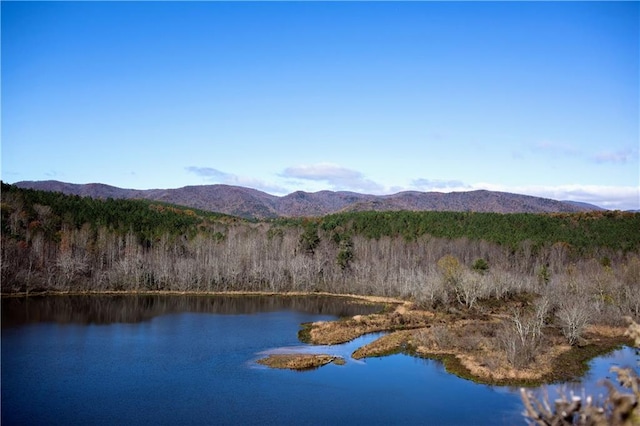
(573,316)
(521,337)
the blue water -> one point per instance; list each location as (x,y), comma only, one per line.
(199,368)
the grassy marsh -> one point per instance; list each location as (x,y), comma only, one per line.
(468,344)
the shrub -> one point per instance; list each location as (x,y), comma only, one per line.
(345,253)
(443,337)
(481,266)
(309,239)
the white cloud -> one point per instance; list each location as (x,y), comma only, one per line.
(209,173)
(321,171)
(339,178)
(212,175)
(438,185)
(608,197)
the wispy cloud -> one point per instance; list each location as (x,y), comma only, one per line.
(339,178)
(212,175)
(617,157)
(209,173)
(439,185)
(608,197)
(545,148)
(553,147)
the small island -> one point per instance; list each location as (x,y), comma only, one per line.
(300,361)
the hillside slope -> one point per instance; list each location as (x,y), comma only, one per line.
(251,203)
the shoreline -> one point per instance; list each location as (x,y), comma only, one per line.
(365,298)
(410,329)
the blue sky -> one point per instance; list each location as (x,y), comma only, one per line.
(375,97)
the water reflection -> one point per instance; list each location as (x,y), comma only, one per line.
(131,309)
(592,382)
(343,350)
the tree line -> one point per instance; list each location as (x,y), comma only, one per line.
(55,242)
(582,231)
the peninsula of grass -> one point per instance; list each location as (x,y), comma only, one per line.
(467,343)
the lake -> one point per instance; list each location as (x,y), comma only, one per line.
(184,360)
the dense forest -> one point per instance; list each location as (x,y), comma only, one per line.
(55,242)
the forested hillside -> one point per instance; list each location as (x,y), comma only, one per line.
(582,232)
(52,241)
(52,212)
(253,204)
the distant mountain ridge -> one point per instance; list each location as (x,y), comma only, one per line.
(254,204)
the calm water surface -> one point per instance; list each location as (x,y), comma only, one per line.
(191,360)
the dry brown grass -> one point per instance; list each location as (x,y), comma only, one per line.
(474,343)
(299,361)
(595,331)
(385,345)
(478,351)
(502,371)
(404,316)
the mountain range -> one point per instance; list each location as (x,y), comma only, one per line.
(253,204)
